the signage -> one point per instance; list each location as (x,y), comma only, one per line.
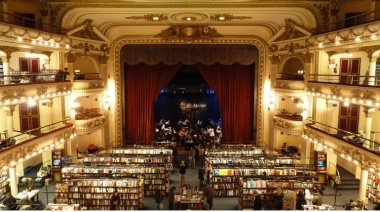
(188,105)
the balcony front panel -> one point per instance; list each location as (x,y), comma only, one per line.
(289,85)
(87,126)
(288,126)
(359,95)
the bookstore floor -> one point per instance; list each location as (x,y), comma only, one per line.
(220,203)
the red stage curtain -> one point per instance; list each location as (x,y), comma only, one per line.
(142,85)
(233,85)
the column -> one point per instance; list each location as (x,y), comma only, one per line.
(363,185)
(6,70)
(372,71)
(368,126)
(9,119)
(13,180)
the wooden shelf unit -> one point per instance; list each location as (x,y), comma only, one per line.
(3,179)
(56,156)
(156,169)
(267,185)
(95,194)
(320,161)
(373,187)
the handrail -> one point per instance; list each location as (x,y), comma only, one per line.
(345,136)
(348,22)
(31,23)
(349,79)
(10,141)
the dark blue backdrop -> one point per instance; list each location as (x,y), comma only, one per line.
(168,107)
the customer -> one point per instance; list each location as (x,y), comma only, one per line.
(300,200)
(209,194)
(10,202)
(182,172)
(278,198)
(351,205)
(201,176)
(158,199)
(27,183)
(171,197)
(257,201)
(115,200)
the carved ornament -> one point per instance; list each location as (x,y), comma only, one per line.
(95,84)
(8,50)
(10,94)
(63,87)
(290,31)
(87,32)
(314,88)
(370,50)
(150,17)
(282,84)
(188,33)
(323,11)
(292,47)
(335,91)
(365,95)
(283,124)
(41,90)
(227,17)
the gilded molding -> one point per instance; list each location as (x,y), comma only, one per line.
(63,87)
(292,47)
(290,31)
(370,50)
(87,32)
(47,53)
(188,33)
(95,84)
(323,11)
(70,57)
(8,51)
(227,17)
(278,122)
(307,57)
(54,12)
(282,84)
(365,95)
(149,17)
(314,88)
(335,91)
(12,93)
(41,90)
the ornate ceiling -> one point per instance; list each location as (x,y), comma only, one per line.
(146,19)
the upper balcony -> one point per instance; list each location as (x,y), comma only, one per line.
(348,22)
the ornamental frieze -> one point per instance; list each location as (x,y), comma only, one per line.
(336,91)
(95,84)
(10,94)
(314,88)
(365,95)
(282,84)
(41,90)
(188,33)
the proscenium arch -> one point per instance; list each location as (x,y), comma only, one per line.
(261,75)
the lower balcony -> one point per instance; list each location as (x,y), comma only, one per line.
(288,126)
(87,126)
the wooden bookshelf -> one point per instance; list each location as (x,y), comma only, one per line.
(95,194)
(3,179)
(56,156)
(320,161)
(266,187)
(373,187)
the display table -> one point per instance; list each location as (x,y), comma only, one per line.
(189,203)
(31,194)
(62,207)
(322,207)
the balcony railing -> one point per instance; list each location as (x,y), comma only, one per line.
(348,22)
(26,77)
(8,142)
(31,23)
(346,79)
(285,76)
(346,136)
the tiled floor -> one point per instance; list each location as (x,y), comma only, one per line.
(220,203)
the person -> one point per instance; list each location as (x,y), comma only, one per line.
(317,197)
(308,197)
(300,200)
(278,198)
(284,148)
(192,156)
(28,183)
(115,200)
(351,205)
(182,172)
(201,176)
(209,194)
(257,201)
(62,75)
(377,206)
(171,197)
(10,202)
(158,199)
(25,203)
(7,187)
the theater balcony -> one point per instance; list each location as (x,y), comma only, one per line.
(288,123)
(89,125)
(353,147)
(25,145)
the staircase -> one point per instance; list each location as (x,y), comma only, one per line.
(349,182)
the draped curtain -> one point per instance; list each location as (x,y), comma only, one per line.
(233,85)
(142,85)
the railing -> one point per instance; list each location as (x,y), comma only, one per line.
(346,136)
(348,22)
(349,79)
(27,77)
(31,23)
(86,76)
(286,76)
(25,136)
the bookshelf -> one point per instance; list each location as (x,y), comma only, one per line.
(320,161)
(56,156)
(3,179)
(156,168)
(95,194)
(373,187)
(74,171)
(141,150)
(267,185)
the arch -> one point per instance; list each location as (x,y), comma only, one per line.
(86,64)
(290,67)
(115,80)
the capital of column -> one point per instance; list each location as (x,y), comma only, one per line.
(368,111)
(9,109)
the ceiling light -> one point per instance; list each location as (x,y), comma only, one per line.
(156,18)
(221,18)
(188,19)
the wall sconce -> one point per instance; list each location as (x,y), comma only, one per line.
(301,72)
(270,103)
(107,101)
(75,105)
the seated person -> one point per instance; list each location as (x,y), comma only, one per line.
(44,172)
(284,148)
(25,204)
(351,205)
(10,202)
(28,183)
